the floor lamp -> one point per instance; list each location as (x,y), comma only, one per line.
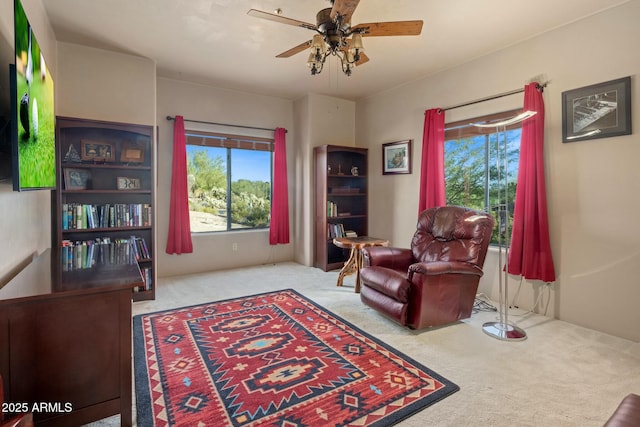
(502,329)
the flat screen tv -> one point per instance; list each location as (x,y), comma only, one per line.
(32,109)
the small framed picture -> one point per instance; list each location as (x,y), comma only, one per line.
(96,151)
(396,157)
(77,179)
(597,111)
(125,183)
(132,152)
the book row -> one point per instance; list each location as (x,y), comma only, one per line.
(85,254)
(147,277)
(79,216)
(138,245)
(337,230)
(140,248)
(332,209)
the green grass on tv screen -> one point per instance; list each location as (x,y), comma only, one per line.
(36,146)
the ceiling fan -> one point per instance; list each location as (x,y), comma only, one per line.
(335,35)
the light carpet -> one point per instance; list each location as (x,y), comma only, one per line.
(561,375)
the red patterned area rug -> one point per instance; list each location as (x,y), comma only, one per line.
(274,359)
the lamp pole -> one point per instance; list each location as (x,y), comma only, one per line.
(502,329)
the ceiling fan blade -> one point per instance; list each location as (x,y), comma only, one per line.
(301,47)
(344,8)
(397,28)
(281,19)
(363,58)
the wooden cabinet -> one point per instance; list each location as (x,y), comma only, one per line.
(65,340)
(105,192)
(340,201)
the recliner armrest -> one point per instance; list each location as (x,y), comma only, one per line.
(627,413)
(444,267)
(393,258)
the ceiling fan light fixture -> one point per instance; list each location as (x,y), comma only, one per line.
(318,43)
(335,35)
(314,64)
(356,42)
(347,68)
(349,57)
(355,47)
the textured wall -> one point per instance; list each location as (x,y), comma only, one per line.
(592,186)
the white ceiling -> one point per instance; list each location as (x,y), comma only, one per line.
(215,41)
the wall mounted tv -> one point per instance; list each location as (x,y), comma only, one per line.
(32,111)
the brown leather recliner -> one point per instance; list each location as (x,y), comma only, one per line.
(627,414)
(435,282)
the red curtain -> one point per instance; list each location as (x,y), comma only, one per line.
(432,189)
(279,224)
(179,238)
(530,249)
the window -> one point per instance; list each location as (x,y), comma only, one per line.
(477,169)
(219,165)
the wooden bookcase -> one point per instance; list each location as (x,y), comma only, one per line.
(340,200)
(105,192)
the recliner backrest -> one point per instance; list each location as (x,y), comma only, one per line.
(452,233)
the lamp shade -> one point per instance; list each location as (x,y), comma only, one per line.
(318,43)
(311,60)
(349,58)
(356,42)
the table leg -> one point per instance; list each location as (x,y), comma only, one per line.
(359,263)
(348,267)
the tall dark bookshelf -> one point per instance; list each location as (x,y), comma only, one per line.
(341,194)
(105,193)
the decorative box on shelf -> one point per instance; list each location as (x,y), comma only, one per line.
(344,190)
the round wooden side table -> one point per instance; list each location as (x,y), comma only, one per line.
(355,261)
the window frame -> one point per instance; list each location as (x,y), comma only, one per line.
(229,142)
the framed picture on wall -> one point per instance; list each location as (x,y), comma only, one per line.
(396,157)
(597,111)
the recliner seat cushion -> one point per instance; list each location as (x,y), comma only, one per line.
(389,307)
(391,283)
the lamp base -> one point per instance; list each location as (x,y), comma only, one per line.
(504,331)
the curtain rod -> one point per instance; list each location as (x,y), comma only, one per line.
(224,124)
(489,98)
